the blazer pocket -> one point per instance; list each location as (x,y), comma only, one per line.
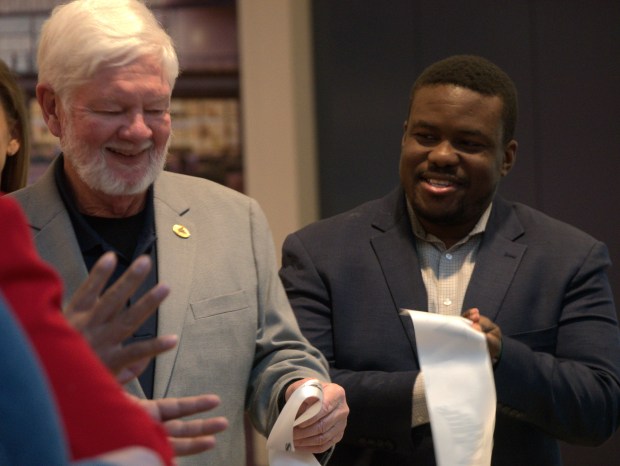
(543,340)
(220,305)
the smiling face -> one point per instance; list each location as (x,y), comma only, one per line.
(452,158)
(116,131)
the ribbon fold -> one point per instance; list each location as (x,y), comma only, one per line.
(280,446)
(459,388)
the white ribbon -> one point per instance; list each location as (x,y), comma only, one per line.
(280,445)
(459,388)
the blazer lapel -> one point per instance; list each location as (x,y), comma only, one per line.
(396,253)
(175,260)
(53,232)
(497,261)
(58,245)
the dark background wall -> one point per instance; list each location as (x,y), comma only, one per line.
(564,56)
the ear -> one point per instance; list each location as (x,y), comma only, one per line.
(13,147)
(402,141)
(50,106)
(510,157)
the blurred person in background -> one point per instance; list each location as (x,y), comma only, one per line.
(14,133)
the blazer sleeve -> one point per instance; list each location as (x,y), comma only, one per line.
(96,414)
(282,354)
(565,378)
(380,401)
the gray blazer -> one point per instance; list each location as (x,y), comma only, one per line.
(238,337)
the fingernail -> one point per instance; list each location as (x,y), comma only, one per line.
(170,339)
(161,291)
(142,263)
(108,259)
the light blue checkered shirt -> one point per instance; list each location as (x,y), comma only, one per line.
(446,274)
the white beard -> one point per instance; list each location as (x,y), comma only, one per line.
(92,168)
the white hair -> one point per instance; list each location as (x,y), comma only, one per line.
(81,36)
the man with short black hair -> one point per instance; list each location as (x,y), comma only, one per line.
(445,243)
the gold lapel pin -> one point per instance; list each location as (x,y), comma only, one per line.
(181,231)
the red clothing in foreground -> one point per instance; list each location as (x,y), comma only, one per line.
(97,415)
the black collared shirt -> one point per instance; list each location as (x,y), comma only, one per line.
(129,238)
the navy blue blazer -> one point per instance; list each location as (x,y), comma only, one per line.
(542,281)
